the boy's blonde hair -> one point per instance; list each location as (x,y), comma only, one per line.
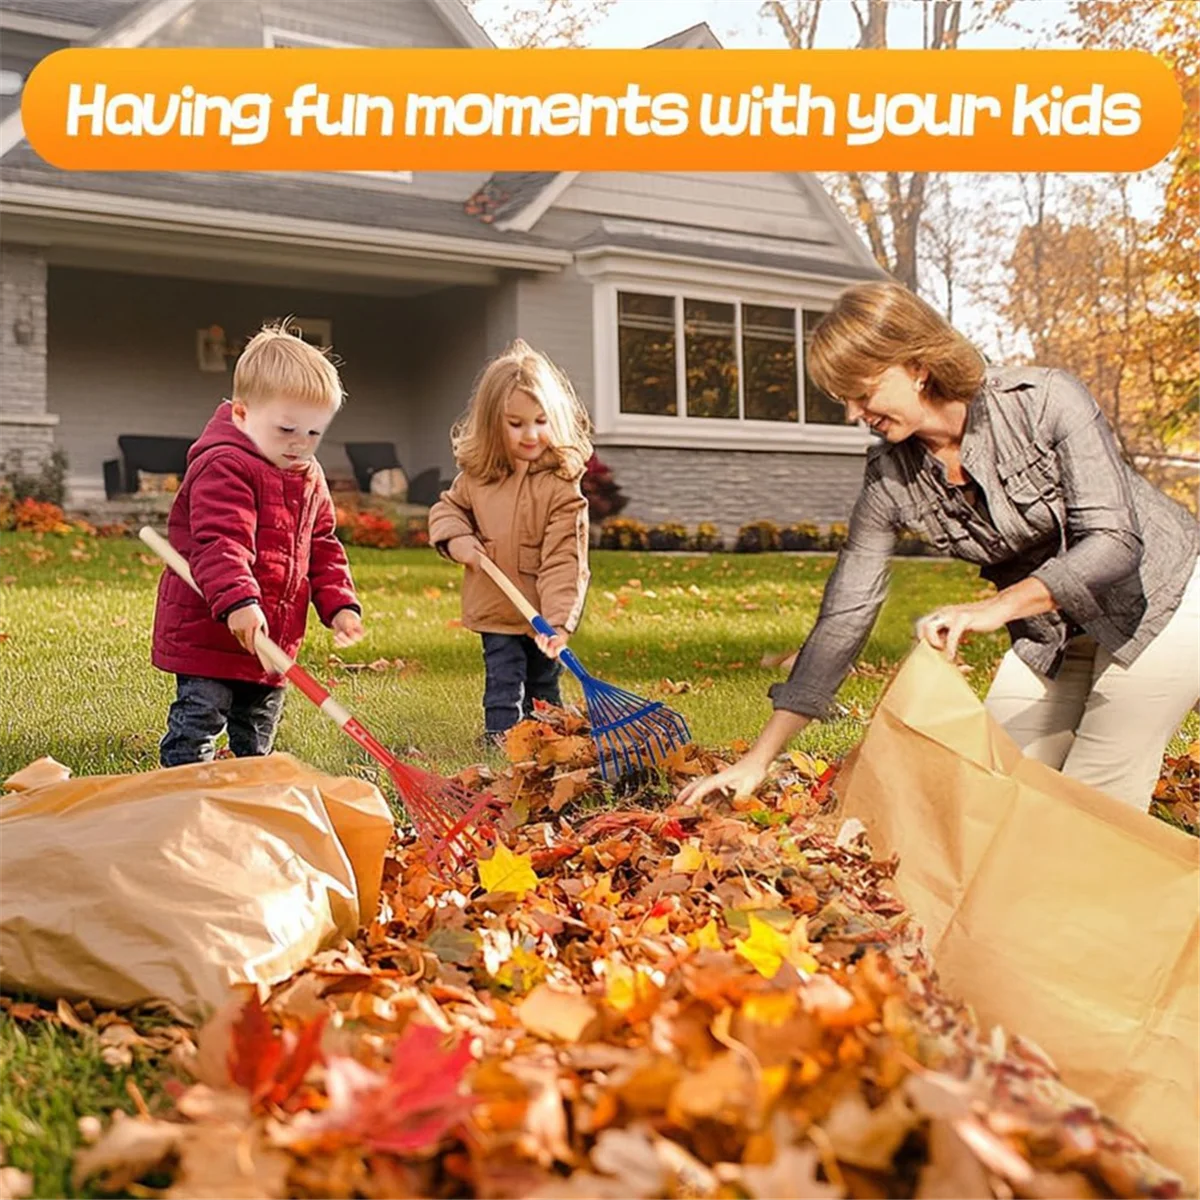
(277,363)
(873,326)
(478,438)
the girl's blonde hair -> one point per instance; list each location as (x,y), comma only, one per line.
(478,438)
(277,363)
(873,326)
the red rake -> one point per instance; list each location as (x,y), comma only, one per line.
(453,823)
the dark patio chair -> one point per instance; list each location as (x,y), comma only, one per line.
(140,452)
(368,458)
(427,487)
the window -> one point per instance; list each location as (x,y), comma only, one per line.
(285,39)
(719,360)
(11,82)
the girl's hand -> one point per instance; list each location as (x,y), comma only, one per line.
(740,780)
(551,647)
(464,549)
(944,629)
(244,623)
(347,628)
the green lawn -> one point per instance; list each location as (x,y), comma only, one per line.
(76,683)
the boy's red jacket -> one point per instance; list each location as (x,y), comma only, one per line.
(250,532)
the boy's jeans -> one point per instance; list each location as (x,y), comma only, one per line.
(204,707)
(517,673)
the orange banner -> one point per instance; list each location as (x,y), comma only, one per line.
(601,110)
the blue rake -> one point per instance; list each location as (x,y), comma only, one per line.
(632,734)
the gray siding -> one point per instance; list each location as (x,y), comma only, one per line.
(731,487)
(773,205)
(554,315)
(123,360)
(361,22)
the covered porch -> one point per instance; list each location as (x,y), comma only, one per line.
(125,307)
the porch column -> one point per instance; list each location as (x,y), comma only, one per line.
(26,428)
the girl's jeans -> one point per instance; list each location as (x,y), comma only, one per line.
(517,674)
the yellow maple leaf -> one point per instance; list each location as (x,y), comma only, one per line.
(629,988)
(764,949)
(707,937)
(507,872)
(689,859)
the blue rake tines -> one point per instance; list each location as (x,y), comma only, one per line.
(632,734)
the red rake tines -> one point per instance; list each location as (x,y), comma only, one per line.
(453,823)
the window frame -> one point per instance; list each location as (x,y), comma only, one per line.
(614,425)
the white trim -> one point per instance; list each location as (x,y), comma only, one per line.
(131,30)
(239,225)
(614,427)
(309,40)
(750,281)
(455,14)
(39,419)
(49,27)
(526,218)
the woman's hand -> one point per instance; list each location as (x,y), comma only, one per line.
(944,629)
(740,780)
(744,777)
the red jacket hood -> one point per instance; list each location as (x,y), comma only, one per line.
(221,431)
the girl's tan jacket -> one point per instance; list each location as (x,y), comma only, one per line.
(533,525)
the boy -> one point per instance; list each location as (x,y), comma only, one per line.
(256,523)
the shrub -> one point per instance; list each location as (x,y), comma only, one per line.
(707,538)
(39,516)
(621,533)
(804,536)
(605,499)
(670,536)
(365,528)
(835,537)
(47,485)
(757,537)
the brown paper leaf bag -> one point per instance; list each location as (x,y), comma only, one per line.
(1056,911)
(179,883)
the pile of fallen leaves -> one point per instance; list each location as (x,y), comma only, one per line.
(1177,793)
(670,1001)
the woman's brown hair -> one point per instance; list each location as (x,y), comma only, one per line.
(873,326)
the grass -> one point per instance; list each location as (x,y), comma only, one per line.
(75,620)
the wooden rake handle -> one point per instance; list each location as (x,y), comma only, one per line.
(269,653)
(515,594)
(531,614)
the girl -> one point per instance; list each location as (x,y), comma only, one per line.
(521,450)
(1015,469)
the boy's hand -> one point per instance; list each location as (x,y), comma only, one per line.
(551,647)
(244,623)
(347,628)
(465,549)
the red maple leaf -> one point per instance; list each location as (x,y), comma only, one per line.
(271,1066)
(407,1111)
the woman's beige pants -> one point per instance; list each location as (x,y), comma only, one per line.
(1101,723)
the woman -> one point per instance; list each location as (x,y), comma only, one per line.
(1015,469)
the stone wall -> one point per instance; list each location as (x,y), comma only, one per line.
(25,426)
(731,487)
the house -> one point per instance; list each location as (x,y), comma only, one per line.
(678,303)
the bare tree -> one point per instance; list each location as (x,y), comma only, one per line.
(525,24)
(888,207)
